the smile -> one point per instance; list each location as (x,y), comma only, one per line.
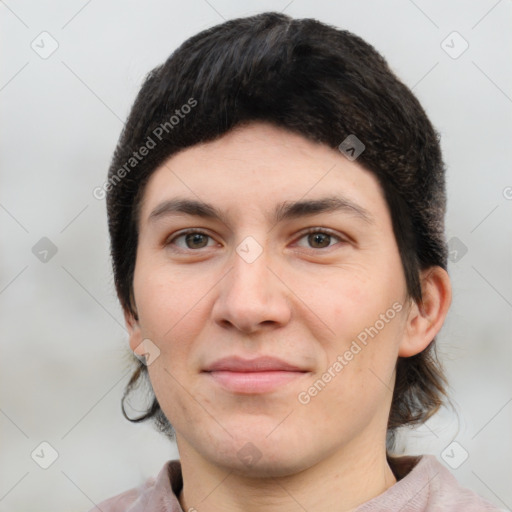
(254,382)
(261,375)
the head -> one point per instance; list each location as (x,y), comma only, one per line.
(331,263)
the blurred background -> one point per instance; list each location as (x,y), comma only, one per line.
(70,71)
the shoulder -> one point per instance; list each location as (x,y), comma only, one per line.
(125,500)
(159,491)
(425,485)
(446,493)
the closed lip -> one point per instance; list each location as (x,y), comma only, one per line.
(259,364)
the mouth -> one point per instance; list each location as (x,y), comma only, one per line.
(261,375)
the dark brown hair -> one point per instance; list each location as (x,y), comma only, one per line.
(324,84)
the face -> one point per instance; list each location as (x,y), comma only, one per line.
(270,286)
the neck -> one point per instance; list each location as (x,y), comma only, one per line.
(341,482)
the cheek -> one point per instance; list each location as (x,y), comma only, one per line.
(355,387)
(368,335)
(368,324)
(357,305)
(169,305)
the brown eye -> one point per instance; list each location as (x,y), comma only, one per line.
(317,238)
(196,240)
(191,240)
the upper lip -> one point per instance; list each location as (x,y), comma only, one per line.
(259,364)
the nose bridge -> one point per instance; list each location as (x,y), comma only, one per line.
(250,294)
(250,275)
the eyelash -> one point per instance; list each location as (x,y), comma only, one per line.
(308,231)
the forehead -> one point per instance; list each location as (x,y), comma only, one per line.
(253,168)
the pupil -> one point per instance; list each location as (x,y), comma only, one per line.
(195,238)
(318,238)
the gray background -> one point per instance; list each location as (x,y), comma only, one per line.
(63,340)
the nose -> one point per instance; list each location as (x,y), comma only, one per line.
(251,296)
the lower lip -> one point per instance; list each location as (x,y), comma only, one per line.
(253,382)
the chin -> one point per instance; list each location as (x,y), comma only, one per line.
(259,456)
(264,467)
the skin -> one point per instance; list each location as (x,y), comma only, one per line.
(301,300)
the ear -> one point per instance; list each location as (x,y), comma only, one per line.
(134,332)
(426,319)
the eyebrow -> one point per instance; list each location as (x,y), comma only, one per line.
(284,211)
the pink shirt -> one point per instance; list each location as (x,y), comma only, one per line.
(424,485)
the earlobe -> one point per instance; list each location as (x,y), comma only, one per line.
(426,319)
(134,331)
